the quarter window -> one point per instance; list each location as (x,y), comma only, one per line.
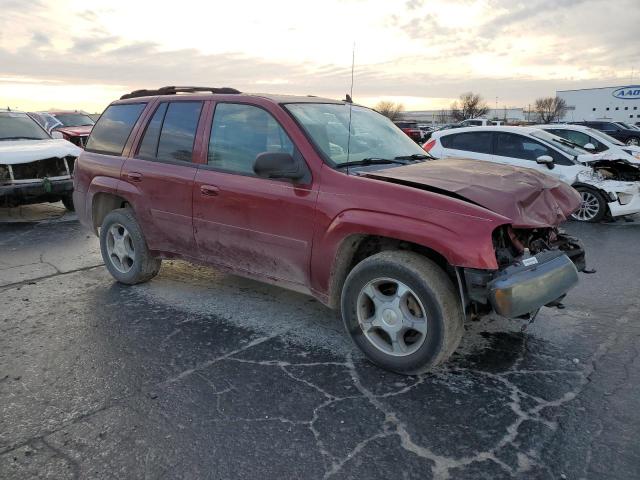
(239,133)
(111,132)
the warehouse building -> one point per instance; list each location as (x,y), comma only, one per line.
(618,104)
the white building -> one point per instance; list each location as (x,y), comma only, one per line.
(618,104)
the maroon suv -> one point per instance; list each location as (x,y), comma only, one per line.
(330,199)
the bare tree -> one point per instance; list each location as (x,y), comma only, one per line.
(393,111)
(470,105)
(549,109)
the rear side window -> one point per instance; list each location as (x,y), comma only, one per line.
(149,145)
(179,131)
(479,142)
(171,132)
(111,132)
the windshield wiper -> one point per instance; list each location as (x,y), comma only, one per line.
(21,138)
(567,142)
(415,156)
(370,161)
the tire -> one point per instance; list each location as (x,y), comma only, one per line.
(67,201)
(633,141)
(124,248)
(430,291)
(593,208)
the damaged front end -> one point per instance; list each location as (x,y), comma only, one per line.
(536,267)
(619,183)
(41,180)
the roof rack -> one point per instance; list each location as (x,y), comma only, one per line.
(175,90)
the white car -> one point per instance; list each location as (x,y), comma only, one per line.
(608,187)
(595,141)
(34,167)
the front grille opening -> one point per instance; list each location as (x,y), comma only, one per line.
(49,167)
(71,163)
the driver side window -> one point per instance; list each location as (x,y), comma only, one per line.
(239,133)
(517,146)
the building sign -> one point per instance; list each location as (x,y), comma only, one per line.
(631,92)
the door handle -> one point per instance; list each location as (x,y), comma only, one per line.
(134,176)
(209,190)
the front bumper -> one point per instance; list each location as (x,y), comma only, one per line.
(20,193)
(631,207)
(519,289)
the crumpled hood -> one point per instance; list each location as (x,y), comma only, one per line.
(530,199)
(75,131)
(13,152)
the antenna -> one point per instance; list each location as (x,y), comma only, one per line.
(350,100)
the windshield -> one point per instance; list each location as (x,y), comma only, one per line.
(603,136)
(46,121)
(372,135)
(20,126)
(74,119)
(559,143)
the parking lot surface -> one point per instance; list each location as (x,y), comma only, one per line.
(199,374)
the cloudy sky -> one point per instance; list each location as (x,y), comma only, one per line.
(423,53)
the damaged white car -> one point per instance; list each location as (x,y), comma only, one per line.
(609,187)
(34,167)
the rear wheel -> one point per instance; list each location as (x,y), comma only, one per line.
(593,207)
(633,141)
(124,248)
(402,311)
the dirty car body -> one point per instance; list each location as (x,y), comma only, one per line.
(33,167)
(332,200)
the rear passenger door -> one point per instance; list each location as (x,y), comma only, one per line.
(162,170)
(475,145)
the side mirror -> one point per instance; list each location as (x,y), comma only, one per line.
(589,146)
(278,165)
(56,134)
(545,160)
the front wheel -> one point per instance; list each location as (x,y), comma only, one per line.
(402,311)
(633,141)
(593,207)
(124,248)
(67,201)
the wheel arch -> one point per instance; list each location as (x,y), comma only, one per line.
(356,247)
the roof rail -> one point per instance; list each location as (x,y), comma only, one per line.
(172,90)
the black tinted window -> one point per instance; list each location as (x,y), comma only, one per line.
(479,142)
(517,146)
(239,133)
(111,132)
(179,131)
(149,145)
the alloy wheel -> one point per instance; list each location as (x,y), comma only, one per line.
(392,317)
(589,207)
(120,248)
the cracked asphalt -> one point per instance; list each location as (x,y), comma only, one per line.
(199,374)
